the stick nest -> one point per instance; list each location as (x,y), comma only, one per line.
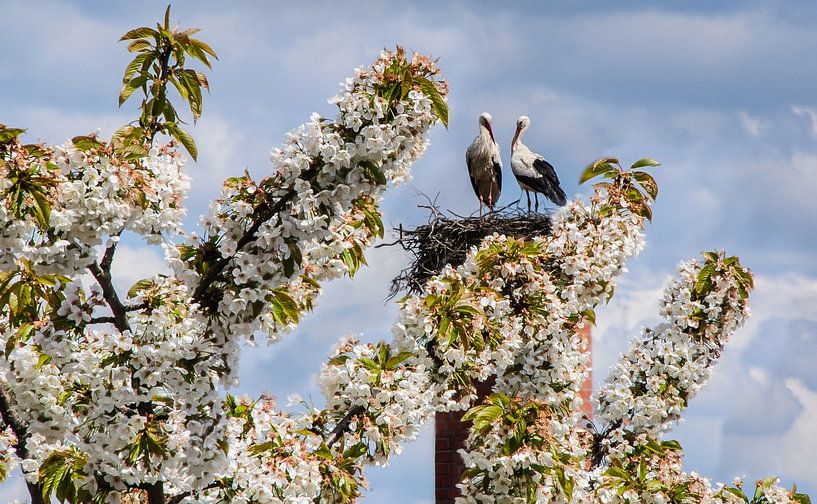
(446,239)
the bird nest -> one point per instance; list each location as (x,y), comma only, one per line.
(446,239)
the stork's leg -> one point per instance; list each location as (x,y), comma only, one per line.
(536,197)
(480,207)
(527,193)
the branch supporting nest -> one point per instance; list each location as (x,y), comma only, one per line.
(446,239)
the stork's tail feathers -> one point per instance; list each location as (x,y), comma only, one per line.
(556,195)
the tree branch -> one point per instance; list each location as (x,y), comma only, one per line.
(20,429)
(343,426)
(107,257)
(102,320)
(176,499)
(263,213)
(155,491)
(103,277)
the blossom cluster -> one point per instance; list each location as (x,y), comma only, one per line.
(271,457)
(552,289)
(91,195)
(392,392)
(131,399)
(141,404)
(471,322)
(647,399)
(275,240)
(664,369)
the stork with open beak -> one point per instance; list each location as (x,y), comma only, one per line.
(532,171)
(485,164)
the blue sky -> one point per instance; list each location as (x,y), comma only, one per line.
(723,93)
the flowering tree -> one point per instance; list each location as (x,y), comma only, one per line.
(110,396)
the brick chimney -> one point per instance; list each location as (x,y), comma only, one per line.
(451,433)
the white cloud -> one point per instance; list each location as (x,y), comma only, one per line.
(756,414)
(788,297)
(132,264)
(409,478)
(809,114)
(789,454)
(14,488)
(57,125)
(752,125)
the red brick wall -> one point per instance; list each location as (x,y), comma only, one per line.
(450,435)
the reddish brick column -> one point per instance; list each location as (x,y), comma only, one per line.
(451,433)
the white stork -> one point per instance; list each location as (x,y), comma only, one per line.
(485,164)
(532,171)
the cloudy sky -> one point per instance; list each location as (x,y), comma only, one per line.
(722,93)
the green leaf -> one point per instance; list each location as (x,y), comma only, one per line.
(353,258)
(618,472)
(138,287)
(190,81)
(438,105)
(129,87)
(133,151)
(648,183)
(398,359)
(138,33)
(802,498)
(184,138)
(338,360)
(44,209)
(324,452)
(704,279)
(373,172)
(60,473)
(597,167)
(590,315)
(284,309)
(138,62)
(368,363)
(7,134)
(204,47)
(483,416)
(197,53)
(737,493)
(258,449)
(645,162)
(181,89)
(86,142)
(764,485)
(355,451)
(43,360)
(139,46)
(202,80)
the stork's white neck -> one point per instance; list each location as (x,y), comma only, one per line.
(485,133)
(517,139)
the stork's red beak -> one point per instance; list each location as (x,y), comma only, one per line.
(515,137)
(490,130)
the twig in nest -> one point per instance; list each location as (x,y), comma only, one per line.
(447,239)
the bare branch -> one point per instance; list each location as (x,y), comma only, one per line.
(262,214)
(20,430)
(343,426)
(103,277)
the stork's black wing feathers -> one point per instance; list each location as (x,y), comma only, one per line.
(549,183)
(498,178)
(471,176)
(546,170)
